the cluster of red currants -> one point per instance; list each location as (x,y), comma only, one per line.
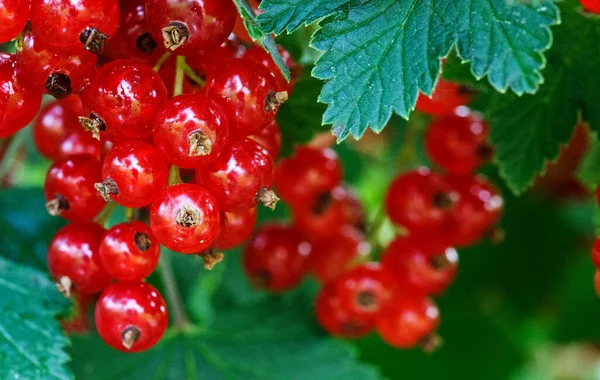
(118,134)
(435,211)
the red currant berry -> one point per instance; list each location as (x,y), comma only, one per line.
(46,71)
(123,97)
(240,177)
(87,26)
(420,200)
(54,123)
(591,5)
(366,290)
(133,173)
(458,142)
(14,15)
(73,259)
(249,95)
(328,213)
(132,39)
(309,172)
(189,27)
(596,253)
(275,258)
(334,254)
(131,316)
(185,218)
(236,227)
(129,251)
(597,282)
(410,321)
(212,61)
(479,208)
(69,188)
(336,319)
(270,139)
(18,105)
(445,98)
(191,130)
(419,268)
(258,54)
(79,142)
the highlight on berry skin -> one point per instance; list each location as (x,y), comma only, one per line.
(309,189)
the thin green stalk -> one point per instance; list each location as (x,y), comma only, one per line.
(179,76)
(165,270)
(194,75)
(174,175)
(10,156)
(161,60)
(103,218)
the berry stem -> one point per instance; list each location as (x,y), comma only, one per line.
(179,76)
(165,270)
(194,75)
(130,214)
(160,61)
(9,161)
(102,219)
(174,175)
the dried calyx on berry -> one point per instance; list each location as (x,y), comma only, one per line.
(59,85)
(211,258)
(175,35)
(93,40)
(94,124)
(274,100)
(200,144)
(267,197)
(58,205)
(107,188)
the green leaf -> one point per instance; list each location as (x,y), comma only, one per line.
(528,131)
(260,37)
(378,54)
(588,172)
(265,341)
(32,345)
(300,117)
(26,226)
(290,15)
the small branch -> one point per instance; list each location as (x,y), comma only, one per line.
(160,61)
(165,271)
(194,75)
(179,76)
(10,151)
(103,218)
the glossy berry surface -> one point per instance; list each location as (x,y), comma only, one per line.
(133,173)
(129,251)
(269,138)
(591,5)
(334,254)
(410,321)
(276,258)
(211,61)
(258,54)
(445,98)
(63,34)
(185,218)
(73,259)
(420,270)
(236,227)
(132,40)
(14,15)
(125,96)
(58,74)
(69,188)
(131,316)
(236,178)
(479,208)
(334,316)
(248,92)
(328,213)
(366,290)
(192,130)
(458,142)
(188,27)
(309,172)
(79,142)
(55,121)
(420,200)
(18,105)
